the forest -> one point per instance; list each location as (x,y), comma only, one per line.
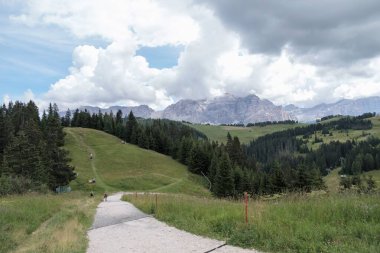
(31,153)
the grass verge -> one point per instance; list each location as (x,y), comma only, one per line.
(45,223)
(335,223)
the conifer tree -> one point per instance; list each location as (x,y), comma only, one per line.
(130,127)
(278,178)
(67,118)
(214,167)
(224,181)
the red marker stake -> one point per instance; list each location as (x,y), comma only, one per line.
(156,203)
(246,207)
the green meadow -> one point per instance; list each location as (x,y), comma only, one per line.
(294,223)
(245,134)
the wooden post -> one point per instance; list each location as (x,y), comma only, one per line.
(156,203)
(246,207)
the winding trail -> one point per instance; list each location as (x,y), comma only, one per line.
(89,150)
(119,227)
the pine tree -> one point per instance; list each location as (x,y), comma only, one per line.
(67,118)
(60,172)
(184,150)
(100,121)
(75,120)
(305,181)
(214,167)
(378,160)
(238,181)
(224,181)
(119,117)
(235,153)
(6,129)
(357,165)
(278,178)
(368,162)
(130,127)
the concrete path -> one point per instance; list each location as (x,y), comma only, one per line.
(119,227)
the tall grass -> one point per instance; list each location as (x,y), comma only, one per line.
(45,223)
(297,223)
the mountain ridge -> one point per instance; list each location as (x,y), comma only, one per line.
(231,109)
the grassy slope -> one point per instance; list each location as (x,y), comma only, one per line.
(126,167)
(333,178)
(350,135)
(245,134)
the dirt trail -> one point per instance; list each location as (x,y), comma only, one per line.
(120,227)
(89,150)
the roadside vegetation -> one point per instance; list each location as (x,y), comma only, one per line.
(295,223)
(46,223)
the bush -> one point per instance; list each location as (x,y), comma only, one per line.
(15,185)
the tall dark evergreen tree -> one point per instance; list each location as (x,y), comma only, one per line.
(67,119)
(130,128)
(224,179)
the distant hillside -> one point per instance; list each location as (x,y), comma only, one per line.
(245,134)
(352,107)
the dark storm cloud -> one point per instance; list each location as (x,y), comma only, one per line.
(320,31)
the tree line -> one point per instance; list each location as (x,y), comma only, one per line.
(31,153)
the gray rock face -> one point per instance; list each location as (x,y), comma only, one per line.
(226,110)
(343,107)
(229,109)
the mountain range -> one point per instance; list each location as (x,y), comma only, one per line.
(230,109)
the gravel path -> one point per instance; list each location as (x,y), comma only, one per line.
(120,227)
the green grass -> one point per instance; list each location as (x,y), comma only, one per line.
(30,223)
(297,223)
(332,180)
(342,136)
(245,134)
(376,176)
(125,167)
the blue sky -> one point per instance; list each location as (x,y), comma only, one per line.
(162,56)
(34,58)
(30,58)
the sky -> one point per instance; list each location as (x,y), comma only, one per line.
(156,52)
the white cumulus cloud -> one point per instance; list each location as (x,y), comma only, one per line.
(214,60)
